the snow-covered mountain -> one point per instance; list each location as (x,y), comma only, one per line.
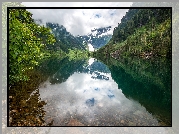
(98,37)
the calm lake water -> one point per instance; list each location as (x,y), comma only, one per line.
(90,93)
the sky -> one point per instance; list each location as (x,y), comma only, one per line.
(80,21)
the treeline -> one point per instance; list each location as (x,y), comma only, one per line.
(76,54)
(142,32)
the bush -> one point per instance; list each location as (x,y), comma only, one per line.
(27,43)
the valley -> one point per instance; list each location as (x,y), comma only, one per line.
(111,76)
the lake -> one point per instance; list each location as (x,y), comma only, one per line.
(129,92)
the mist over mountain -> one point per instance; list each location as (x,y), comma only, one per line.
(64,39)
(101,30)
(98,37)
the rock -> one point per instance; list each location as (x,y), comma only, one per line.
(74,122)
(49,120)
(132,123)
(138,113)
(15,111)
(122,121)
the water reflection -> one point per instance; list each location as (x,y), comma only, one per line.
(146,81)
(89,95)
(25,106)
(90,102)
(65,69)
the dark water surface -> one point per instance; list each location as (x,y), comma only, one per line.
(130,92)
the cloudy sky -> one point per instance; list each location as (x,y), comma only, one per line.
(80,21)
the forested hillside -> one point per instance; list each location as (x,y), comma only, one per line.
(64,39)
(142,32)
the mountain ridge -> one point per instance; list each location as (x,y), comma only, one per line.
(142,32)
(98,37)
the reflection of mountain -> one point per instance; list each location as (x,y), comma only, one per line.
(99,76)
(98,67)
(148,83)
(145,81)
(66,69)
(60,70)
(97,70)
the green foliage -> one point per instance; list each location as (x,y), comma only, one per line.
(64,39)
(27,43)
(146,81)
(76,54)
(142,32)
(131,73)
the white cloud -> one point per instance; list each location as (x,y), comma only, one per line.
(79,21)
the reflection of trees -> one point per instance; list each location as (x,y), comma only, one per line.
(50,66)
(98,66)
(148,82)
(59,70)
(25,106)
(66,69)
(154,71)
(27,113)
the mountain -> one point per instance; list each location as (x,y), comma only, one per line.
(98,37)
(142,32)
(64,39)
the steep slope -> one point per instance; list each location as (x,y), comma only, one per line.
(65,38)
(142,32)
